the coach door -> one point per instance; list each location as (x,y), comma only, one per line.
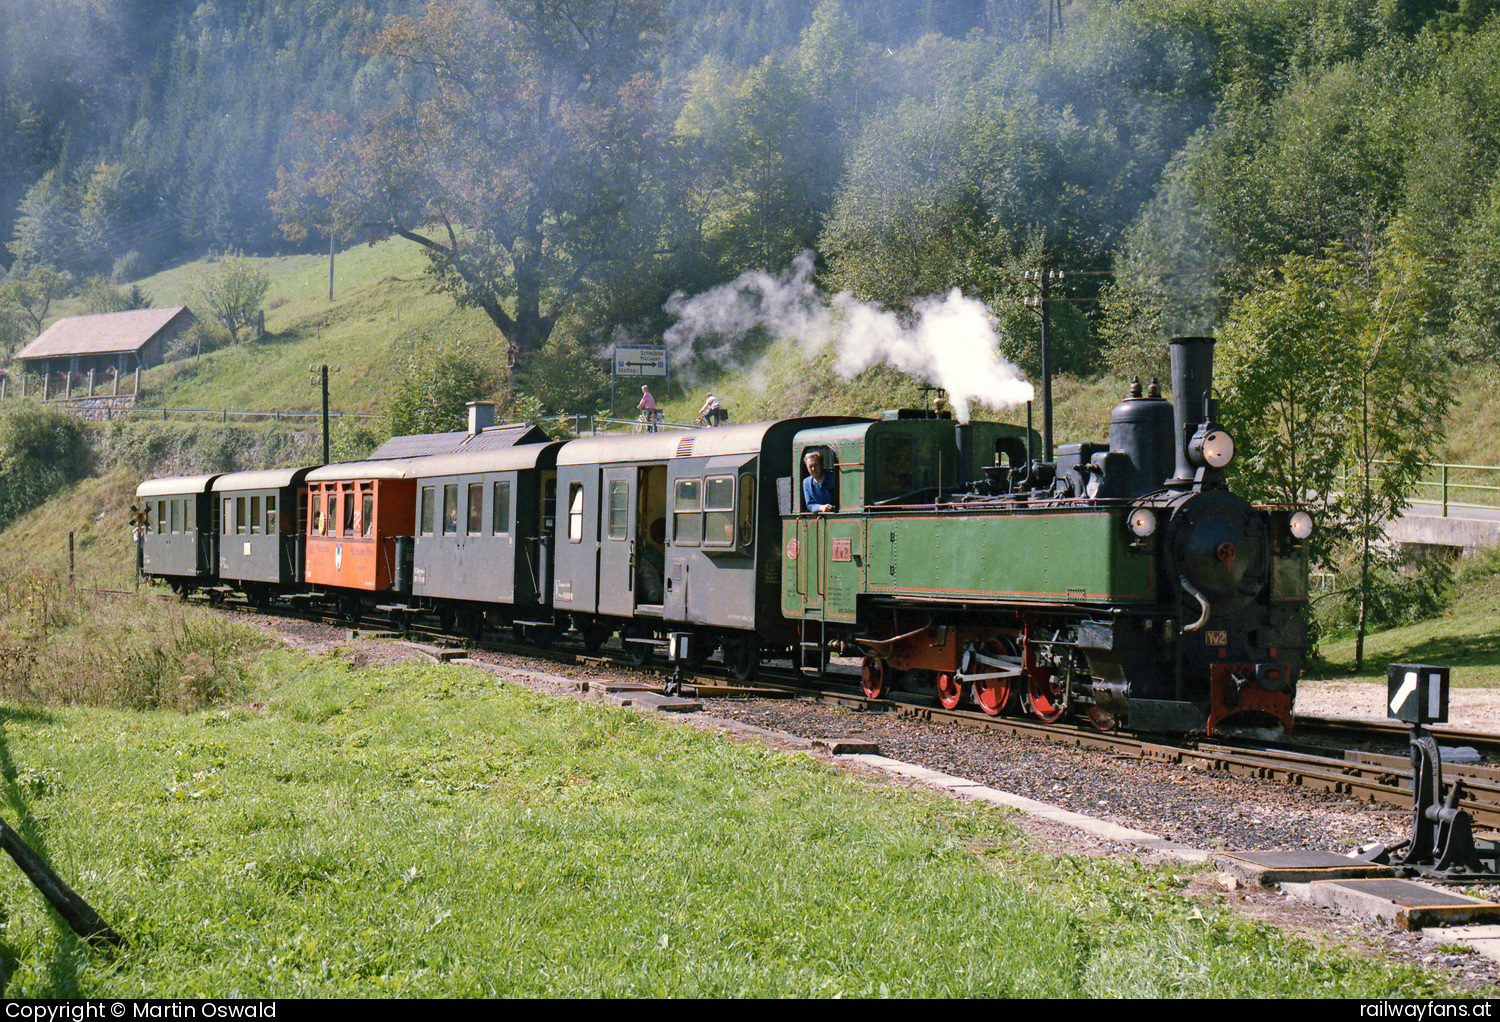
(617,546)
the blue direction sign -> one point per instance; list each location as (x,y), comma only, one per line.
(640,361)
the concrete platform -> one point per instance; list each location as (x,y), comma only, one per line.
(1405,904)
(645,696)
(1269,868)
(439,654)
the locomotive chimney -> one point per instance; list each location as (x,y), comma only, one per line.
(481,416)
(1192,379)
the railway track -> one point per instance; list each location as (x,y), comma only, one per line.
(1381,775)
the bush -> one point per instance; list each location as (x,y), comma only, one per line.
(436,385)
(154,449)
(200,338)
(41,451)
(131,266)
(354,439)
(1404,588)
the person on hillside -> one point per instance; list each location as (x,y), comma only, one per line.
(712,413)
(817,485)
(647,407)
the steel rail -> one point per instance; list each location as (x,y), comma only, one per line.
(1373,777)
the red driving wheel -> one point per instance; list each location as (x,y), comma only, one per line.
(950,690)
(1047,699)
(994,694)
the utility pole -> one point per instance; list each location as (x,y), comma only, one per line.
(321,378)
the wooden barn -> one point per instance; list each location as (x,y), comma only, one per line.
(121,341)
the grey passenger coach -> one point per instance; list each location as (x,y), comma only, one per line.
(482,524)
(667,532)
(177,537)
(261,546)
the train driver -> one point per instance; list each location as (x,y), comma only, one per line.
(817,485)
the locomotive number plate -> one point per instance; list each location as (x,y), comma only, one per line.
(1216,638)
(840,550)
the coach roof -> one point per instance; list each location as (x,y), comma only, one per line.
(174,485)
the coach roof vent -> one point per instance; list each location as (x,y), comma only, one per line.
(481,416)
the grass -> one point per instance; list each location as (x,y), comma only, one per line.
(1466,637)
(422,830)
(381,300)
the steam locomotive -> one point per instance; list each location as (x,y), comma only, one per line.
(1122,582)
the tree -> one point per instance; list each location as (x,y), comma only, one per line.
(434,389)
(1336,392)
(515,158)
(100,296)
(233,292)
(30,291)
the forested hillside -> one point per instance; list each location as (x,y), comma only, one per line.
(570,164)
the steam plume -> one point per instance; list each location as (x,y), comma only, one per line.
(948,341)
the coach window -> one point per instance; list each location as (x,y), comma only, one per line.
(575,512)
(500,513)
(718,511)
(254,516)
(239,516)
(619,508)
(172,511)
(161,516)
(271,515)
(476,509)
(187,514)
(331,515)
(450,509)
(428,500)
(687,512)
(349,529)
(747,509)
(367,509)
(228,517)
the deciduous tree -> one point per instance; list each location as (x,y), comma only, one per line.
(233,292)
(1337,392)
(514,158)
(29,292)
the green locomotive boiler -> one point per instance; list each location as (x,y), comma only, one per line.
(1123,582)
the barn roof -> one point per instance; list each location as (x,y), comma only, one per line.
(107,333)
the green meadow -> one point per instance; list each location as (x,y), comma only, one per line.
(431,831)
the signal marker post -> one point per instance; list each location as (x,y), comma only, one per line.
(1441,846)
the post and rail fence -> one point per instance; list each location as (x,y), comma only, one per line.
(1453,485)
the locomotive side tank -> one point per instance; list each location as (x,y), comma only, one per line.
(1121,581)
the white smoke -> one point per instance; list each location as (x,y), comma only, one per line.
(949,341)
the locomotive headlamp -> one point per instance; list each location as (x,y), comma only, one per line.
(1211,446)
(1301,524)
(1142,522)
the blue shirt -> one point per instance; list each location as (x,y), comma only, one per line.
(816,494)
